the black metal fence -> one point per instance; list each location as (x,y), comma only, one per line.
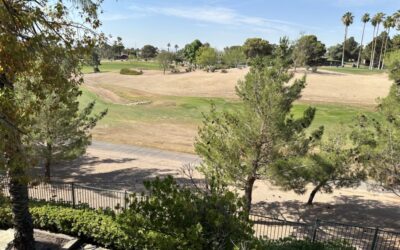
(319,231)
(78,195)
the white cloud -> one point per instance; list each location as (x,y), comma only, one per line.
(224,16)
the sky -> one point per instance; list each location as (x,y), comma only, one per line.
(230,22)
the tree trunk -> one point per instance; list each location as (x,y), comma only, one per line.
(344,44)
(313,193)
(18,188)
(47,173)
(23,226)
(372,49)
(248,192)
(361,47)
(381,52)
(384,52)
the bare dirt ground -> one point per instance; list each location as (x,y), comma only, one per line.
(125,167)
(323,86)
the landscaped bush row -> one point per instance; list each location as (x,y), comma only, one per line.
(126,71)
(89,225)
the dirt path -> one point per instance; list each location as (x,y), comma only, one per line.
(324,86)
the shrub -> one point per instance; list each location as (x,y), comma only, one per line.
(224,71)
(126,71)
(181,218)
(89,225)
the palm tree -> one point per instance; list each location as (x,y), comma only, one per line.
(365,19)
(347,20)
(378,20)
(176,48)
(388,24)
(168,45)
(373,22)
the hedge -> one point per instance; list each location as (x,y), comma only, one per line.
(89,225)
(126,71)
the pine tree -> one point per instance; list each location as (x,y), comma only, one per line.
(238,147)
(61,131)
(330,165)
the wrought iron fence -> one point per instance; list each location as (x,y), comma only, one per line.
(78,195)
(319,231)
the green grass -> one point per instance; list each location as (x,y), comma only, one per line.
(350,70)
(107,66)
(188,110)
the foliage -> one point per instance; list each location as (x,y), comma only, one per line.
(61,131)
(94,60)
(396,42)
(379,40)
(234,56)
(118,46)
(350,52)
(165,58)
(239,147)
(37,38)
(308,51)
(190,51)
(378,141)
(207,57)
(393,63)
(329,166)
(148,52)
(256,47)
(127,71)
(174,217)
(89,225)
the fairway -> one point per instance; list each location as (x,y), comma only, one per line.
(171,122)
(165,111)
(356,71)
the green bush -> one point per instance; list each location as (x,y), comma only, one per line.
(89,225)
(126,71)
(182,218)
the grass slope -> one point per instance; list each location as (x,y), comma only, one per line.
(189,110)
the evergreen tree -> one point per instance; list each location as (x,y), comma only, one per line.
(378,141)
(61,131)
(327,167)
(239,147)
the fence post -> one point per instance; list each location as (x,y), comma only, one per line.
(375,239)
(73,194)
(125,199)
(315,228)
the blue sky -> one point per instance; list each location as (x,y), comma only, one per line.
(229,22)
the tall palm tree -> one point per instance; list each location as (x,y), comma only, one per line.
(365,19)
(347,20)
(373,23)
(388,24)
(176,48)
(168,45)
(378,20)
